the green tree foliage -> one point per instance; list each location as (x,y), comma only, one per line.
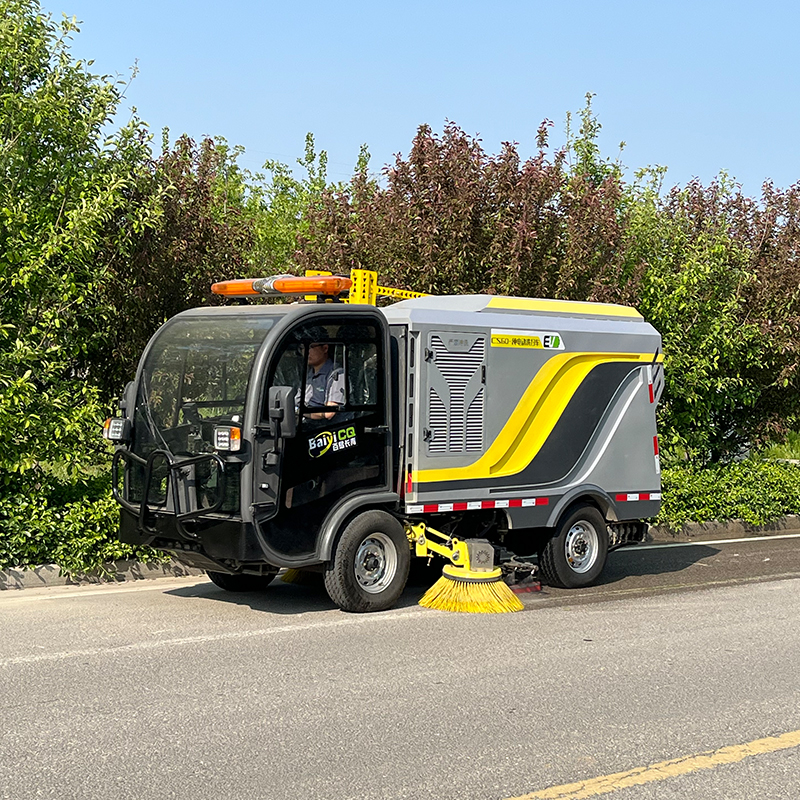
(61,182)
(193,217)
(718,277)
(278,201)
(100,243)
(452,219)
(197,230)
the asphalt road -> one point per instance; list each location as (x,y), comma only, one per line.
(176,689)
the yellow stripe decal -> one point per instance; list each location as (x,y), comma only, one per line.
(665,769)
(543,403)
(568,307)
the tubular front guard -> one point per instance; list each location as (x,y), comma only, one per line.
(177,469)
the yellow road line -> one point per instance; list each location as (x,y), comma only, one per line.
(665,769)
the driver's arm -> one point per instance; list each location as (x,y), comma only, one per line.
(335,392)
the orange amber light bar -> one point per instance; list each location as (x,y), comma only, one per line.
(277,285)
(329,285)
(236,288)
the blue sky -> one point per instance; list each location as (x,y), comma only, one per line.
(697,87)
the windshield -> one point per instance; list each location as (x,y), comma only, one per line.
(194,378)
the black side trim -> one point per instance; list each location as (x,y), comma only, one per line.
(568,439)
(575,427)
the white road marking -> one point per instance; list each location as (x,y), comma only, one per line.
(360,619)
(712,541)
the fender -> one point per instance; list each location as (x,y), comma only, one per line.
(604,502)
(372,498)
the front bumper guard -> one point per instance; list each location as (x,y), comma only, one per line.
(143,511)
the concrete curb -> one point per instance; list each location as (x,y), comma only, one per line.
(116,572)
(120,571)
(732,529)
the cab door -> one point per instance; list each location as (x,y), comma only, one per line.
(336,368)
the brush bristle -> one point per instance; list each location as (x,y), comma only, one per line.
(449,594)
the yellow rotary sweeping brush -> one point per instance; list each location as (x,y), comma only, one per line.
(475,591)
(470,583)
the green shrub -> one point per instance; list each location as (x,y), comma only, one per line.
(756,492)
(789,448)
(71,523)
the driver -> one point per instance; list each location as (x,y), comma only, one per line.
(324,381)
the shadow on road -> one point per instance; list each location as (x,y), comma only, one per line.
(630,562)
(626,568)
(303,598)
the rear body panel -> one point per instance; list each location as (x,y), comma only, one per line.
(525,408)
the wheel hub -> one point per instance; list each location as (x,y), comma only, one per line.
(375,563)
(582,546)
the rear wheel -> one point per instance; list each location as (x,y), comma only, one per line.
(576,554)
(241,583)
(370,564)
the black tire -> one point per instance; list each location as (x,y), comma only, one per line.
(370,563)
(576,554)
(241,583)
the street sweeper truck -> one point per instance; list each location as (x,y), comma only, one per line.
(331,434)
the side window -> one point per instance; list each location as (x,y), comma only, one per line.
(334,370)
(362,373)
(289,371)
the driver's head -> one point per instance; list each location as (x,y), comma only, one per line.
(317,354)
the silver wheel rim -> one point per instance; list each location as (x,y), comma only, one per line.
(582,546)
(376,563)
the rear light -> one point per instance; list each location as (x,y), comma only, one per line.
(117,429)
(228,438)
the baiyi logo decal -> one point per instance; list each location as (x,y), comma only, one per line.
(332,441)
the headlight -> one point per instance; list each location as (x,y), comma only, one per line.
(228,437)
(117,429)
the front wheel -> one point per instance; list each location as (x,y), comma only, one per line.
(241,583)
(575,556)
(370,564)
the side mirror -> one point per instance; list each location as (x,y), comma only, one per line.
(128,399)
(282,418)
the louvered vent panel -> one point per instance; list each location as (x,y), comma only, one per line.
(475,424)
(437,421)
(465,426)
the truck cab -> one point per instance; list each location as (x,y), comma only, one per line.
(231,463)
